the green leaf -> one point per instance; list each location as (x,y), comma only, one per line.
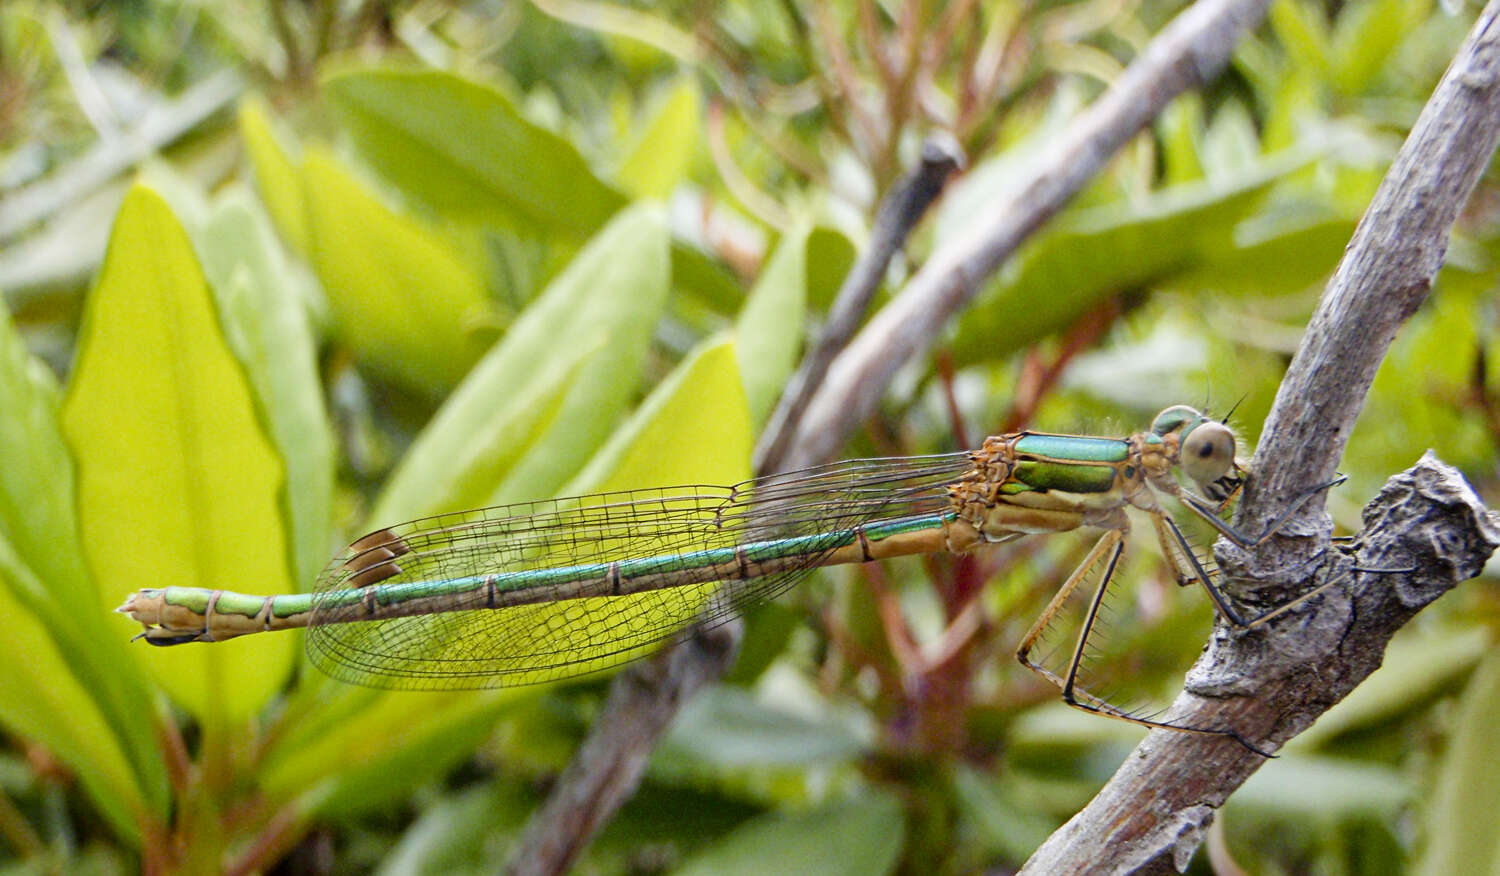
(1419,664)
(1295,103)
(1365,38)
(382,751)
(830,256)
(464,149)
(1005,823)
(604,308)
(1285,254)
(727,727)
(700,275)
(1180,129)
(179,485)
(38,518)
(42,701)
(459,833)
(37,513)
(1463,823)
(769,329)
(568,365)
(664,153)
(694,428)
(1440,343)
(1231,145)
(267,327)
(402,297)
(277,176)
(1089,255)
(859,837)
(1303,33)
(1309,788)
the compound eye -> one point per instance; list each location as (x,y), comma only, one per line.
(1208,452)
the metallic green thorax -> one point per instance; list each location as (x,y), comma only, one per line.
(1066,463)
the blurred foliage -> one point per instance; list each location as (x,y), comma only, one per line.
(277,273)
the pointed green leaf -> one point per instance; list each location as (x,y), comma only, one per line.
(38,518)
(1311,787)
(830,256)
(276,175)
(464,149)
(1004,822)
(664,153)
(728,727)
(605,306)
(1231,145)
(1180,130)
(402,297)
(381,752)
(693,429)
(1303,33)
(860,836)
(1463,823)
(177,484)
(40,700)
(458,833)
(565,370)
(266,326)
(698,274)
(1088,255)
(769,328)
(37,514)
(1365,38)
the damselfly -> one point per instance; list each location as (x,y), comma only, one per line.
(544,591)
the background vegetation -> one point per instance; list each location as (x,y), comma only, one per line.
(278,273)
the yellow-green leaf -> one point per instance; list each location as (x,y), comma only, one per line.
(402,297)
(1366,37)
(177,483)
(38,519)
(605,305)
(267,327)
(694,428)
(380,750)
(1303,33)
(664,153)
(464,149)
(1180,130)
(42,701)
(861,835)
(769,328)
(1463,834)
(276,175)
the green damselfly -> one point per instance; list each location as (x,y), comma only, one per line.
(544,591)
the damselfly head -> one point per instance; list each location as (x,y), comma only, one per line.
(1205,447)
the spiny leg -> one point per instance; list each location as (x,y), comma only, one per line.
(1114,540)
(1106,551)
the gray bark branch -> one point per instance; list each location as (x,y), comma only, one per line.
(1427,529)
(898,215)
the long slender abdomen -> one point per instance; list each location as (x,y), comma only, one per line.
(177,615)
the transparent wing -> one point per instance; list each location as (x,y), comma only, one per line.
(469,644)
